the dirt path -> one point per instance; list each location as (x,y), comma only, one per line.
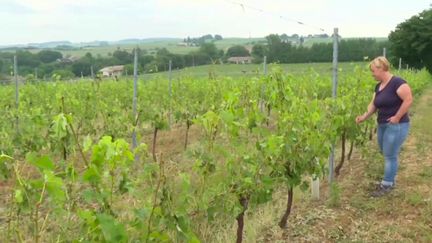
(405,215)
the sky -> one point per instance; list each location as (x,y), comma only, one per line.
(35,21)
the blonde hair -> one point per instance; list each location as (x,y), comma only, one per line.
(380,63)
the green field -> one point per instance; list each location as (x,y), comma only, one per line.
(151,46)
(208,151)
(246,70)
(255,70)
(172,46)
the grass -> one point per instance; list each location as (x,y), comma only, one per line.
(254,70)
(414,198)
(426,172)
(170,45)
(362,203)
(335,192)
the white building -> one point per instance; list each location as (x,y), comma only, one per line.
(112,71)
(240,60)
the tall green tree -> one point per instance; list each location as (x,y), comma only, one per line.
(47,56)
(278,50)
(28,59)
(237,51)
(83,65)
(275,48)
(210,50)
(123,56)
(258,52)
(412,41)
(218,37)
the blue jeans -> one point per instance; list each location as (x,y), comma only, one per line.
(390,139)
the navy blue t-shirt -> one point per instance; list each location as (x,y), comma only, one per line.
(388,102)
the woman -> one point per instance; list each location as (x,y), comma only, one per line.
(392,99)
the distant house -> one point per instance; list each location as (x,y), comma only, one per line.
(112,71)
(240,60)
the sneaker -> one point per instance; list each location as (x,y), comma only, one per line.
(381,191)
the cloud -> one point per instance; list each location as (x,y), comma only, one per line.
(94,6)
(15,8)
(54,5)
(116,19)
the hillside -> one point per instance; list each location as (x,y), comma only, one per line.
(103,48)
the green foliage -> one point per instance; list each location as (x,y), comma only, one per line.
(210,123)
(27,59)
(112,231)
(411,41)
(42,163)
(123,56)
(237,51)
(240,154)
(63,74)
(111,153)
(103,227)
(2,64)
(54,186)
(210,50)
(47,56)
(258,52)
(335,194)
(82,67)
(5,166)
(284,51)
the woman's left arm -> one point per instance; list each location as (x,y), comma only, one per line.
(404,92)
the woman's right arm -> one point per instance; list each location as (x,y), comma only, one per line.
(370,111)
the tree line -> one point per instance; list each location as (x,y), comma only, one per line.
(281,51)
(411,41)
(48,62)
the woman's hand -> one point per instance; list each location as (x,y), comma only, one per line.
(393,120)
(360,119)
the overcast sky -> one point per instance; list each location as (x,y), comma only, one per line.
(29,21)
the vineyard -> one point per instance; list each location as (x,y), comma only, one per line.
(211,153)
